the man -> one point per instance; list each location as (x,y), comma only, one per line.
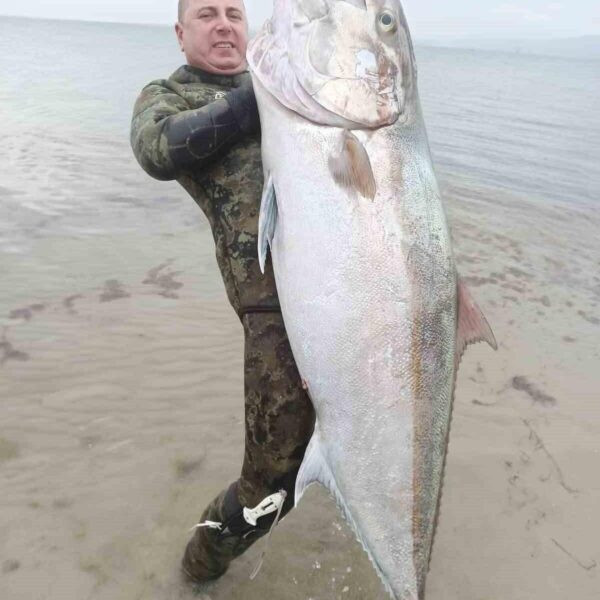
(201,127)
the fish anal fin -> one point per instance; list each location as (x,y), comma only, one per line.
(267,221)
(472,324)
(314,469)
(351,167)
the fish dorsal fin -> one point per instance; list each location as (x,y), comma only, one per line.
(351,167)
(267,221)
(472,324)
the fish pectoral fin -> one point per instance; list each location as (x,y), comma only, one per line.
(351,167)
(314,469)
(267,221)
(472,324)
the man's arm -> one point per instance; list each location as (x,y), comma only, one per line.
(168,137)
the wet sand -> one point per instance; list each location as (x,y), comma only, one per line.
(121,417)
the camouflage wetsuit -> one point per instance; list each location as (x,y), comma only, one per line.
(203,130)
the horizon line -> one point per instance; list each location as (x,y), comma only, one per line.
(425,37)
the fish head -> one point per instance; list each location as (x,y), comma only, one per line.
(353,57)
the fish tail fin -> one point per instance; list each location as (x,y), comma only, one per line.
(315,469)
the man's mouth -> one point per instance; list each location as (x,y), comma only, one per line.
(223,45)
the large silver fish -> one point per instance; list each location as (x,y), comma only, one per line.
(375,313)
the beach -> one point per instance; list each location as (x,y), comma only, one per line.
(121,392)
(122,416)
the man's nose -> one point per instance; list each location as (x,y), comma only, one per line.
(223,24)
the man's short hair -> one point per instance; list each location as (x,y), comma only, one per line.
(181,8)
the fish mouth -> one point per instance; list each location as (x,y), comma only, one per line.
(383,85)
(388,90)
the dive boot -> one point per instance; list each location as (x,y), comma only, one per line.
(226,530)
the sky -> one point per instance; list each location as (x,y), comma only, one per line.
(433,19)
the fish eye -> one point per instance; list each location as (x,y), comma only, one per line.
(387,21)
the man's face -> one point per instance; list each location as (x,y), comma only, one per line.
(213,34)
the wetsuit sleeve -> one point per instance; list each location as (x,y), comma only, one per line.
(169,137)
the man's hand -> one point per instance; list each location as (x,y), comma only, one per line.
(243,105)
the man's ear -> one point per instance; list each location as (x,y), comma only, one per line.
(179,33)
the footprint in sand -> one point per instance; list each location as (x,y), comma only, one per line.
(69,301)
(113,290)
(27,312)
(186,466)
(522,384)
(164,279)
(8,352)
(589,318)
(8,566)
